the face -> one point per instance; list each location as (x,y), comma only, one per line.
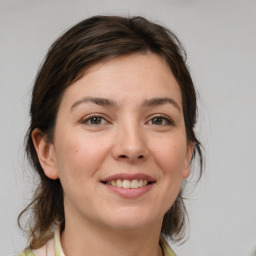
(120,147)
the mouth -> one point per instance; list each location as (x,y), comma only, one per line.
(128,184)
(129,181)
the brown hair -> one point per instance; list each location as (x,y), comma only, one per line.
(90,41)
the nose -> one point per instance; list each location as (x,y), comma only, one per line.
(130,144)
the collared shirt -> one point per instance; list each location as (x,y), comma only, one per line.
(53,248)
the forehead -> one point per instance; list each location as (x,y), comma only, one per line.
(134,77)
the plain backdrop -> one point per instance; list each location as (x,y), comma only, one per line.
(220,39)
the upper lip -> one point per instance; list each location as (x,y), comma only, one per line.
(129,176)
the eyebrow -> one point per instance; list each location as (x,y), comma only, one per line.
(161,101)
(97,101)
(111,103)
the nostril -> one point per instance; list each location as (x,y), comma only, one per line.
(125,156)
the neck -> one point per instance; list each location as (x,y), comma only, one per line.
(88,238)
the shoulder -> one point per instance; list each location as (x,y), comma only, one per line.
(166,247)
(27,252)
(46,250)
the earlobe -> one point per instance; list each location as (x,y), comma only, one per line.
(45,154)
(190,150)
(186,173)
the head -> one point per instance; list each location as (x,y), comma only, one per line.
(97,40)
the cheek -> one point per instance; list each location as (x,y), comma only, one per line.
(79,157)
(170,155)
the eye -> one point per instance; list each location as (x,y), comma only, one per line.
(160,120)
(94,120)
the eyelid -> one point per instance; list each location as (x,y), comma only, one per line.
(164,117)
(86,118)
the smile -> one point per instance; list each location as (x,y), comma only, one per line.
(128,184)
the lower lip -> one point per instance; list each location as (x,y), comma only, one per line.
(130,192)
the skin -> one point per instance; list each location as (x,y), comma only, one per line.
(126,138)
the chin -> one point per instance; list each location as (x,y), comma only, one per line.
(131,219)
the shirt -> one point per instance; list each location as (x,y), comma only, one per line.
(53,248)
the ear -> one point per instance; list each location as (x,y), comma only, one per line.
(190,150)
(45,154)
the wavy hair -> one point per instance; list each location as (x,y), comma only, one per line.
(93,40)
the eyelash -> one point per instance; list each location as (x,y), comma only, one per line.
(90,118)
(165,119)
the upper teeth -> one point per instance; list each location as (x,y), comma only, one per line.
(128,183)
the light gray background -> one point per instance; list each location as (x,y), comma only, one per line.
(220,39)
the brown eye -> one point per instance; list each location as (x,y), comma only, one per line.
(94,120)
(157,120)
(160,120)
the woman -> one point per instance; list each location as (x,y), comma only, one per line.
(111,137)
